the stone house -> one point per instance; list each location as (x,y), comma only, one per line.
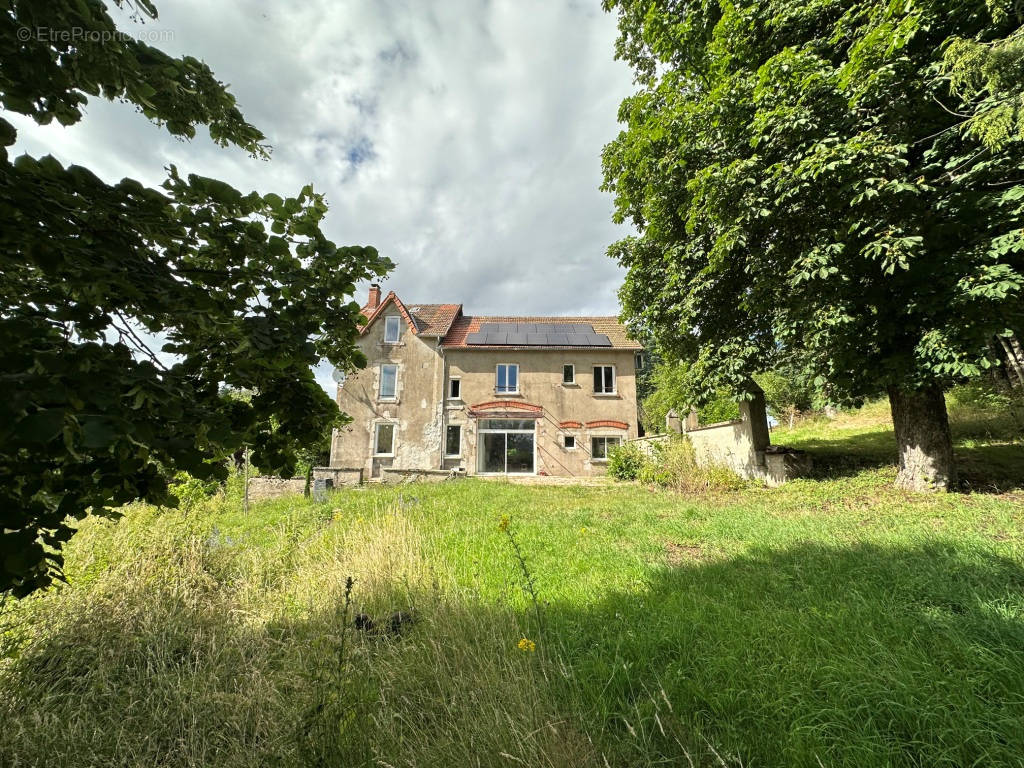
(446,391)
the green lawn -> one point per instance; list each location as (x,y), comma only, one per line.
(829,622)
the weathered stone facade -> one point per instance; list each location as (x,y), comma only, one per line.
(560,420)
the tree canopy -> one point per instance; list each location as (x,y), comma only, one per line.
(244,290)
(807,177)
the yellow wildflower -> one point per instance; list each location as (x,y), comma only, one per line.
(503,525)
(583,530)
(527,645)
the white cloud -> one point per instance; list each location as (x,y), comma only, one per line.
(462,139)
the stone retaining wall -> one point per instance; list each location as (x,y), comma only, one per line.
(274,487)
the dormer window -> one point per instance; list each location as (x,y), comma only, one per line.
(392,329)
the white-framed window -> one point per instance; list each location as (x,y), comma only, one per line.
(569,441)
(568,373)
(453,441)
(392,329)
(384,439)
(599,447)
(454,389)
(388,389)
(604,379)
(507,379)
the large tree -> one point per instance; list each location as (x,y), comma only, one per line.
(244,290)
(804,179)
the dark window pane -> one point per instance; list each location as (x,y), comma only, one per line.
(568,374)
(492,457)
(570,441)
(519,453)
(385,438)
(454,388)
(453,441)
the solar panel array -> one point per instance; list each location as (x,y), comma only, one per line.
(538,335)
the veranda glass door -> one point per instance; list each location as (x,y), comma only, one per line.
(506,446)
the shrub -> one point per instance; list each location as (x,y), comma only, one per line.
(671,464)
(191,491)
(625,461)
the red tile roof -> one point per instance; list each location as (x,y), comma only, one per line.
(423,319)
(466,324)
(446,321)
(434,319)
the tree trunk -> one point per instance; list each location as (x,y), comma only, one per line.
(309,480)
(1014,359)
(921,424)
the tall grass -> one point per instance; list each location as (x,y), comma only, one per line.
(835,623)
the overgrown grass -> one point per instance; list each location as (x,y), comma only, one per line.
(829,622)
(988,439)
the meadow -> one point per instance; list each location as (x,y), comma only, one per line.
(833,621)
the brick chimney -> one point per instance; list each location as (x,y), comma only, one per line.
(374,301)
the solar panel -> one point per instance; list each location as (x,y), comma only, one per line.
(538,335)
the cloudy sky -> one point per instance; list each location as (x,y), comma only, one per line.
(461,138)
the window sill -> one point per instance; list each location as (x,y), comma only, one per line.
(456,456)
(570,385)
(606,394)
(508,394)
(388,400)
(599,461)
(383,455)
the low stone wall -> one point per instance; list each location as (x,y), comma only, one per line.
(390,475)
(274,487)
(729,444)
(646,444)
(335,477)
(743,445)
(784,464)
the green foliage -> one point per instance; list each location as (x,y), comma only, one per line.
(243,289)
(190,491)
(988,77)
(669,393)
(673,464)
(720,408)
(625,462)
(800,187)
(786,392)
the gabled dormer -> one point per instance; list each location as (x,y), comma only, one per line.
(431,321)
